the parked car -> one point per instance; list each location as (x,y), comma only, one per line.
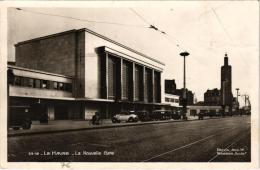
(201,115)
(161,115)
(125,116)
(176,115)
(20,117)
(143,115)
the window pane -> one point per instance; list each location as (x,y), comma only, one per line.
(126,80)
(44,84)
(68,87)
(37,83)
(55,85)
(31,82)
(25,81)
(17,81)
(61,86)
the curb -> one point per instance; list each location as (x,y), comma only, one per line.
(99,127)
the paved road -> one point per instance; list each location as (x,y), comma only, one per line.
(225,139)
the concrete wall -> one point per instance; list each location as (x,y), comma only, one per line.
(55,54)
(39,93)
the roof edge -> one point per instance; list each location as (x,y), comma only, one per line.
(93,33)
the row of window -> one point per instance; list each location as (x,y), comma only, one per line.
(42,84)
(171,100)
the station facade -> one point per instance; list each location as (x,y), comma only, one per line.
(73,74)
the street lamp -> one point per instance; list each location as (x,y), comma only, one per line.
(184,102)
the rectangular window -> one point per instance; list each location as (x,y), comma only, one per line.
(148,85)
(44,84)
(49,84)
(68,87)
(25,81)
(126,80)
(17,81)
(157,88)
(30,82)
(55,85)
(112,79)
(37,83)
(60,86)
(138,82)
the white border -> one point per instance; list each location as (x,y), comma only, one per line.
(116,4)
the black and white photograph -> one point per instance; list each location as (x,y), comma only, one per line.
(173,82)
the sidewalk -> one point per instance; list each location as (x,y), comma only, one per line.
(74,125)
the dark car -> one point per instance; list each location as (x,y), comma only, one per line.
(201,115)
(20,117)
(161,115)
(143,116)
(176,115)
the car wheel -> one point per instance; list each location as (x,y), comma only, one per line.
(26,125)
(131,119)
(16,128)
(114,120)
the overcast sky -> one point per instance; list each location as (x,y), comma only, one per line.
(205,29)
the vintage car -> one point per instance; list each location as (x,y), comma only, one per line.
(20,117)
(124,116)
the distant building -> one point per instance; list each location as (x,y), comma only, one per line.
(226,86)
(212,97)
(171,88)
(173,100)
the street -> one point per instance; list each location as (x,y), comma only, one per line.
(213,140)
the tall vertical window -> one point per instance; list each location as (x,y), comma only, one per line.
(148,85)
(125,80)
(156,87)
(138,82)
(112,80)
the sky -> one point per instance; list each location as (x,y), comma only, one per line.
(207,30)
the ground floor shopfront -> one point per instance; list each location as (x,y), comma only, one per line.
(81,109)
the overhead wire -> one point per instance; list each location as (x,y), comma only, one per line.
(79,19)
(152,26)
(226,32)
(220,22)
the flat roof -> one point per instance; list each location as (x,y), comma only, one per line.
(93,33)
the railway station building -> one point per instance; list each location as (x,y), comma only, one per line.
(73,74)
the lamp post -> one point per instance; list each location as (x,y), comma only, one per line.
(237,89)
(184,101)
